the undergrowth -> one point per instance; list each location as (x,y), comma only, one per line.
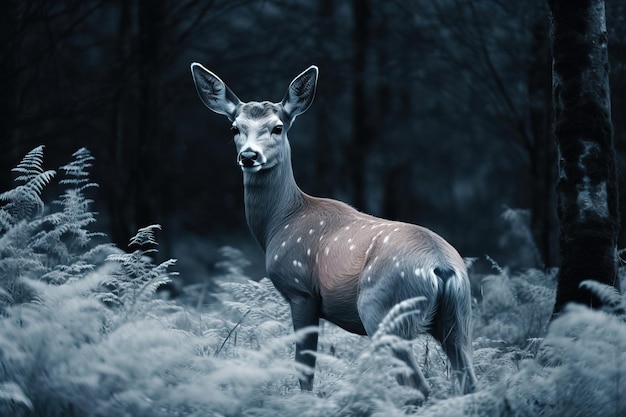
(82,333)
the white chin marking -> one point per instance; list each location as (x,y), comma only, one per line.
(255,168)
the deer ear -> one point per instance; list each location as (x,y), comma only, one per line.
(300,93)
(213,92)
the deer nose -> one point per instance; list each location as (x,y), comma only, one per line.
(248,158)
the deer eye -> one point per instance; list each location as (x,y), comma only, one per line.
(234,130)
(277,130)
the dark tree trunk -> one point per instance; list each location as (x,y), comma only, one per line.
(357,152)
(542,150)
(9,48)
(147,163)
(119,197)
(135,195)
(325,173)
(586,189)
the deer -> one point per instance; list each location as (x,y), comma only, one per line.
(330,261)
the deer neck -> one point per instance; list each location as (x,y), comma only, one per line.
(271,196)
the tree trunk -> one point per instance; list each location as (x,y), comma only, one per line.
(148,162)
(587,196)
(118,189)
(542,150)
(357,152)
(325,174)
(9,52)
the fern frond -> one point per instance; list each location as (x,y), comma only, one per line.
(145,236)
(138,278)
(31,165)
(6,219)
(26,197)
(611,299)
(76,171)
(397,316)
(31,170)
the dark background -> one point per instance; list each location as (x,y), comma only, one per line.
(435,112)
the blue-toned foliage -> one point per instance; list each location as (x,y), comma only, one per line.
(82,333)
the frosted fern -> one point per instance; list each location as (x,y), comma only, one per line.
(76,171)
(145,236)
(25,198)
(515,309)
(76,214)
(54,247)
(611,299)
(397,317)
(137,278)
(65,242)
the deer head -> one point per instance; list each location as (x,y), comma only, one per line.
(260,128)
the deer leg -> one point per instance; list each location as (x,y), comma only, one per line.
(453,331)
(459,354)
(372,311)
(305,313)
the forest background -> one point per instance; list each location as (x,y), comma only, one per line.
(435,112)
(432,112)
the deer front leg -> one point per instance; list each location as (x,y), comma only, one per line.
(305,313)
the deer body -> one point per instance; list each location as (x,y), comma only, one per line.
(327,259)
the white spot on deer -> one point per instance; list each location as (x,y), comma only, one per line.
(351,247)
(402,274)
(394,258)
(295,263)
(322,223)
(397,264)
(299,239)
(275,257)
(418,272)
(308,252)
(303,216)
(287,226)
(297,280)
(336,238)
(347,227)
(369,267)
(386,239)
(396,229)
(321,237)
(283,244)
(311,231)
(369,278)
(434,278)
(363,227)
(327,250)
